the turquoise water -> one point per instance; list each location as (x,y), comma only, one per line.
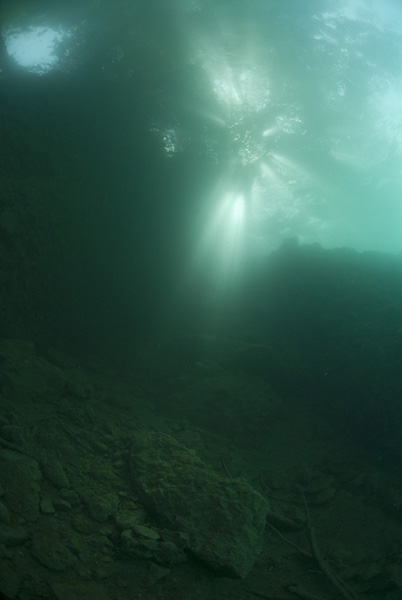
(300,104)
(291,108)
(211,132)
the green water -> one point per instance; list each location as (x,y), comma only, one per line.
(178,143)
(291,109)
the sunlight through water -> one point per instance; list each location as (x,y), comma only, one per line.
(257,184)
(36,47)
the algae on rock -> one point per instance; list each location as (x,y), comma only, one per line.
(222,519)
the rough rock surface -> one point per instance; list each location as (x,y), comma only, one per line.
(20,477)
(51,551)
(27,376)
(223,519)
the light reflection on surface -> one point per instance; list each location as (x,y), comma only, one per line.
(35,47)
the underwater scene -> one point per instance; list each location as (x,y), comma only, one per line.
(200,299)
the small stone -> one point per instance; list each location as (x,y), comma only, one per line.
(178,538)
(70,495)
(99,447)
(9,581)
(47,507)
(13,433)
(151,545)
(170,554)
(128,519)
(80,591)
(105,543)
(50,552)
(63,505)
(83,524)
(146,532)
(54,472)
(13,536)
(101,508)
(105,571)
(20,477)
(393,573)
(128,540)
(78,385)
(4,514)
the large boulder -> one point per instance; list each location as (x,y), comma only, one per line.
(220,519)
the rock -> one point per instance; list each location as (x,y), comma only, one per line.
(83,524)
(393,573)
(19,475)
(26,376)
(13,535)
(70,496)
(13,433)
(10,582)
(50,551)
(54,472)
(223,518)
(146,532)
(4,514)
(79,591)
(100,447)
(101,508)
(169,554)
(62,505)
(128,519)
(46,506)
(165,553)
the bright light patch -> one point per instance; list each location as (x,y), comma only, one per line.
(258,184)
(384,15)
(224,232)
(240,88)
(221,249)
(238,210)
(35,48)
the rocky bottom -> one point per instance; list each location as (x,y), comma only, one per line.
(182,482)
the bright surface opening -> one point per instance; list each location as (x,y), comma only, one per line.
(35,48)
